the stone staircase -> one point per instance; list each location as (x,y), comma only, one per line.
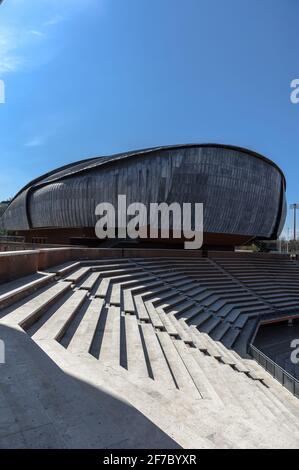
(156,334)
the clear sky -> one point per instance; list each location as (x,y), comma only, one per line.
(95,77)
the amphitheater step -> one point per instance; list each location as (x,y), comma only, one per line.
(181,307)
(179,326)
(109,329)
(190,313)
(115,295)
(200,318)
(230,337)
(90,282)
(141,308)
(103,288)
(181,375)
(241,343)
(77,275)
(168,324)
(215,374)
(136,361)
(157,361)
(29,312)
(57,324)
(63,269)
(153,314)
(211,323)
(201,383)
(128,301)
(84,334)
(13,291)
(219,331)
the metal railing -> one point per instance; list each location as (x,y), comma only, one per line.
(280,374)
(11,239)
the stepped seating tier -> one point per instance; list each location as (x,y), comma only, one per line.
(175,330)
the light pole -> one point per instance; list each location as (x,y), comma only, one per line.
(288,239)
(294,207)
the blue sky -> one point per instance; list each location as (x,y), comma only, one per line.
(93,77)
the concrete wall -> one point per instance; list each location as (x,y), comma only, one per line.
(53,257)
(243,254)
(17,264)
(22,263)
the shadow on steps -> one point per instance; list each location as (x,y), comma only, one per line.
(43,407)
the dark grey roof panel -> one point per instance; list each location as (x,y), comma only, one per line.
(243,193)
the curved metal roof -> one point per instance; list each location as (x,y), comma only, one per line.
(90,163)
(28,208)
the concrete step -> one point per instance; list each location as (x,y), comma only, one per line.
(90,282)
(168,324)
(181,375)
(102,290)
(242,342)
(191,312)
(113,269)
(128,301)
(77,275)
(162,293)
(200,318)
(136,360)
(241,321)
(205,344)
(153,314)
(122,276)
(147,286)
(141,309)
(230,337)
(168,296)
(200,381)
(219,331)
(29,312)
(212,322)
(115,295)
(198,339)
(57,324)
(226,310)
(215,376)
(191,288)
(179,308)
(229,356)
(182,285)
(200,298)
(157,361)
(180,327)
(84,334)
(63,269)
(108,262)
(11,292)
(109,330)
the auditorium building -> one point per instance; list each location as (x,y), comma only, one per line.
(243,195)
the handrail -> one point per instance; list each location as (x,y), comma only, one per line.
(257,354)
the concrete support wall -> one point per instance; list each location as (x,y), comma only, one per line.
(244,254)
(48,257)
(18,264)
